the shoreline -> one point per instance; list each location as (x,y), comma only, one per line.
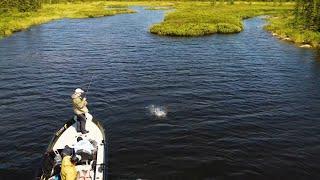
(12,22)
(205,18)
(280,27)
(189,19)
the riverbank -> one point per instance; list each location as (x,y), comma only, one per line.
(14,21)
(203,18)
(283,28)
(187,18)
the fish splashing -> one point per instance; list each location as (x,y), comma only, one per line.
(158,111)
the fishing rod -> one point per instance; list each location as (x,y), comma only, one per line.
(89,86)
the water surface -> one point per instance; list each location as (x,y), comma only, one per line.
(241,106)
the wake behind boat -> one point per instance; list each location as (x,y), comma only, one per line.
(90,165)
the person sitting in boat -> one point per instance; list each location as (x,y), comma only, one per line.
(68,168)
(80,109)
(83,145)
(84,148)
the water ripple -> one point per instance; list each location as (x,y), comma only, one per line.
(242,106)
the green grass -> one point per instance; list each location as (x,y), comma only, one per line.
(203,18)
(14,21)
(159,8)
(186,19)
(284,28)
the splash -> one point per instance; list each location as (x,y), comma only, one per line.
(158,111)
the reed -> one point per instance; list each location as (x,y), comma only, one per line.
(203,18)
(14,20)
(185,19)
(285,28)
(159,8)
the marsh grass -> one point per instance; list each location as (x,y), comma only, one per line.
(284,28)
(159,8)
(203,18)
(14,21)
(187,19)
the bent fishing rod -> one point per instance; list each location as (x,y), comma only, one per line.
(85,96)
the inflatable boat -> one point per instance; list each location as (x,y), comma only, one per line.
(92,166)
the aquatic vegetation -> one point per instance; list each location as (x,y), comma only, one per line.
(283,28)
(117,6)
(14,21)
(159,8)
(202,18)
(185,29)
(186,19)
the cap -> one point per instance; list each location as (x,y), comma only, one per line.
(78,90)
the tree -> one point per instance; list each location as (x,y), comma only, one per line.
(230,1)
(21,5)
(307,14)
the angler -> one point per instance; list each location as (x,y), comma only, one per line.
(80,109)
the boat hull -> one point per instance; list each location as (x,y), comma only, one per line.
(67,136)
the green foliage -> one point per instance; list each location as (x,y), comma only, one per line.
(231,2)
(307,14)
(226,28)
(158,8)
(284,28)
(213,2)
(200,18)
(184,29)
(13,21)
(303,26)
(20,5)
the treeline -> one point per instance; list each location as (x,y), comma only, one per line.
(307,14)
(33,5)
(250,1)
(20,5)
(29,5)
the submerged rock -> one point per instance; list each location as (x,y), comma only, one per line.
(306,46)
(287,39)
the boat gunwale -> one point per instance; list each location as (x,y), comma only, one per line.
(66,125)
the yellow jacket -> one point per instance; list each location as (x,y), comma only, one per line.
(68,170)
(79,105)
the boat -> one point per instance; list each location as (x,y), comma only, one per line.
(66,137)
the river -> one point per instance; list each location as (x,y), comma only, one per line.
(240,106)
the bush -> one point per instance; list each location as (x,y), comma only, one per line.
(197,19)
(21,5)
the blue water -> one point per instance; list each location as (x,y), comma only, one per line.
(240,106)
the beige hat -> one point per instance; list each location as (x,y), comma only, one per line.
(78,90)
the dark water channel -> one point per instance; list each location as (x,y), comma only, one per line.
(242,106)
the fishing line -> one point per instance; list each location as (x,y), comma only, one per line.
(89,86)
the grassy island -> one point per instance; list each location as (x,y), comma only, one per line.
(288,21)
(203,18)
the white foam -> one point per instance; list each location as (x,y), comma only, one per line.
(158,111)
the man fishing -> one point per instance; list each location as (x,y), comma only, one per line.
(80,109)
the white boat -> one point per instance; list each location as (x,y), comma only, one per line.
(95,166)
